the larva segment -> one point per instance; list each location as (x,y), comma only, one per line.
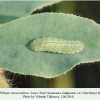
(55,45)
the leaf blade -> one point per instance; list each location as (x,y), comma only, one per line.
(17,36)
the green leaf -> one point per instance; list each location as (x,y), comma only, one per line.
(16,36)
(10,10)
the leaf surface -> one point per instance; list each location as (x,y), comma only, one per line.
(16,36)
(10,10)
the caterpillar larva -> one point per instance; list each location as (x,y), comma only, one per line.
(56,45)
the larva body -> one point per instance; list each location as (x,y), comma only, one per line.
(55,45)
